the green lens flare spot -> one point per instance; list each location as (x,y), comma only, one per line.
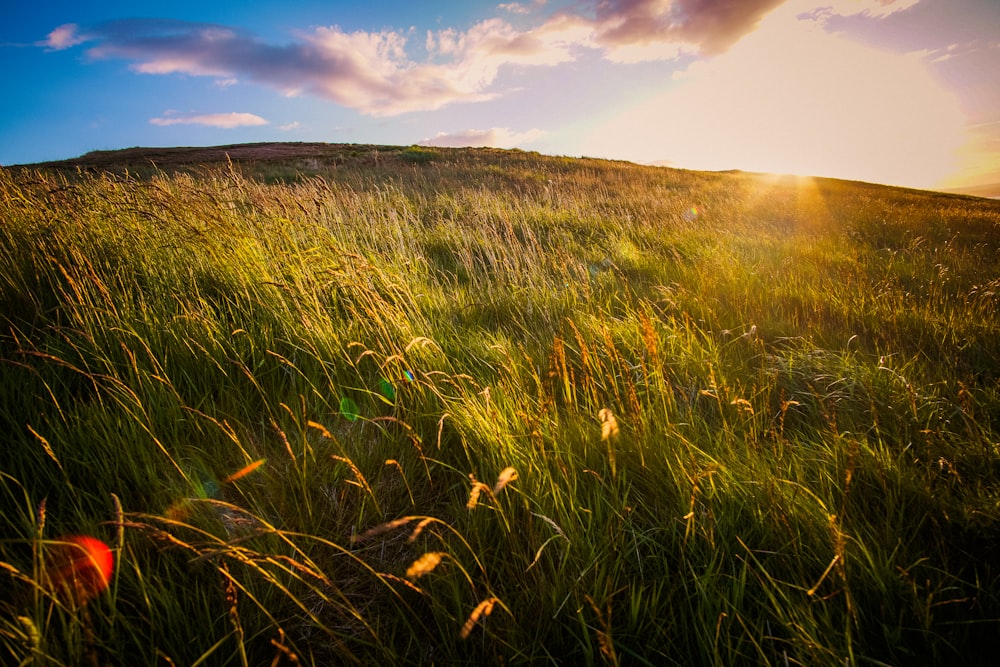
(348,408)
(386,389)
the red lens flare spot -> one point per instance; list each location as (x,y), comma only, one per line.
(79,568)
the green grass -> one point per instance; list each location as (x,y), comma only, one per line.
(274,387)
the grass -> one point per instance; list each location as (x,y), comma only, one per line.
(460,406)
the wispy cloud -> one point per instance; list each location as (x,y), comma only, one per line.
(495,137)
(521,8)
(870,8)
(225,121)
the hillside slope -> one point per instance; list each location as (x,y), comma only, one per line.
(416,405)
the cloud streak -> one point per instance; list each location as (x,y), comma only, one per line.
(226,121)
(496,137)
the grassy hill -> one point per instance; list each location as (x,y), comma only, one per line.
(346,404)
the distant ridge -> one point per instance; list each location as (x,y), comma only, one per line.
(181,156)
(186,155)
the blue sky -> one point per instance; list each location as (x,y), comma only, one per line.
(894,91)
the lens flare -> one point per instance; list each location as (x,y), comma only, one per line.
(348,409)
(79,568)
(386,389)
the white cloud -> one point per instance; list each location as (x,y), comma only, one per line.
(294,125)
(226,121)
(495,137)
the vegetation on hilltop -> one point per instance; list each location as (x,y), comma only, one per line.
(446,406)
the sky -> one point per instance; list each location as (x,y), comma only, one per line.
(902,92)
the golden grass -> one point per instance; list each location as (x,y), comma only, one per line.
(425,564)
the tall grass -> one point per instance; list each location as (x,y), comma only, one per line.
(491,406)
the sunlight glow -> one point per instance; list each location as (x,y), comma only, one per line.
(794,99)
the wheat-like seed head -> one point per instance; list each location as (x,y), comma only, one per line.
(484,608)
(424,564)
(474,493)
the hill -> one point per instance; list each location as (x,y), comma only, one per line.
(991,190)
(140,156)
(307,157)
(347,404)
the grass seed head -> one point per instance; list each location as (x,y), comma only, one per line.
(609,425)
(484,608)
(507,475)
(424,564)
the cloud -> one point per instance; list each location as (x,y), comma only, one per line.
(708,26)
(294,125)
(374,72)
(520,8)
(496,137)
(367,71)
(225,121)
(823,9)
(63,37)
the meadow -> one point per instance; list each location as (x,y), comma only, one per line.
(429,406)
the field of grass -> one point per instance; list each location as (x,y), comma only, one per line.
(423,406)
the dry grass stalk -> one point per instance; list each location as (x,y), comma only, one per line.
(322,429)
(284,439)
(232,599)
(244,471)
(282,650)
(484,608)
(359,478)
(419,529)
(46,446)
(409,491)
(474,493)
(604,640)
(119,524)
(382,528)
